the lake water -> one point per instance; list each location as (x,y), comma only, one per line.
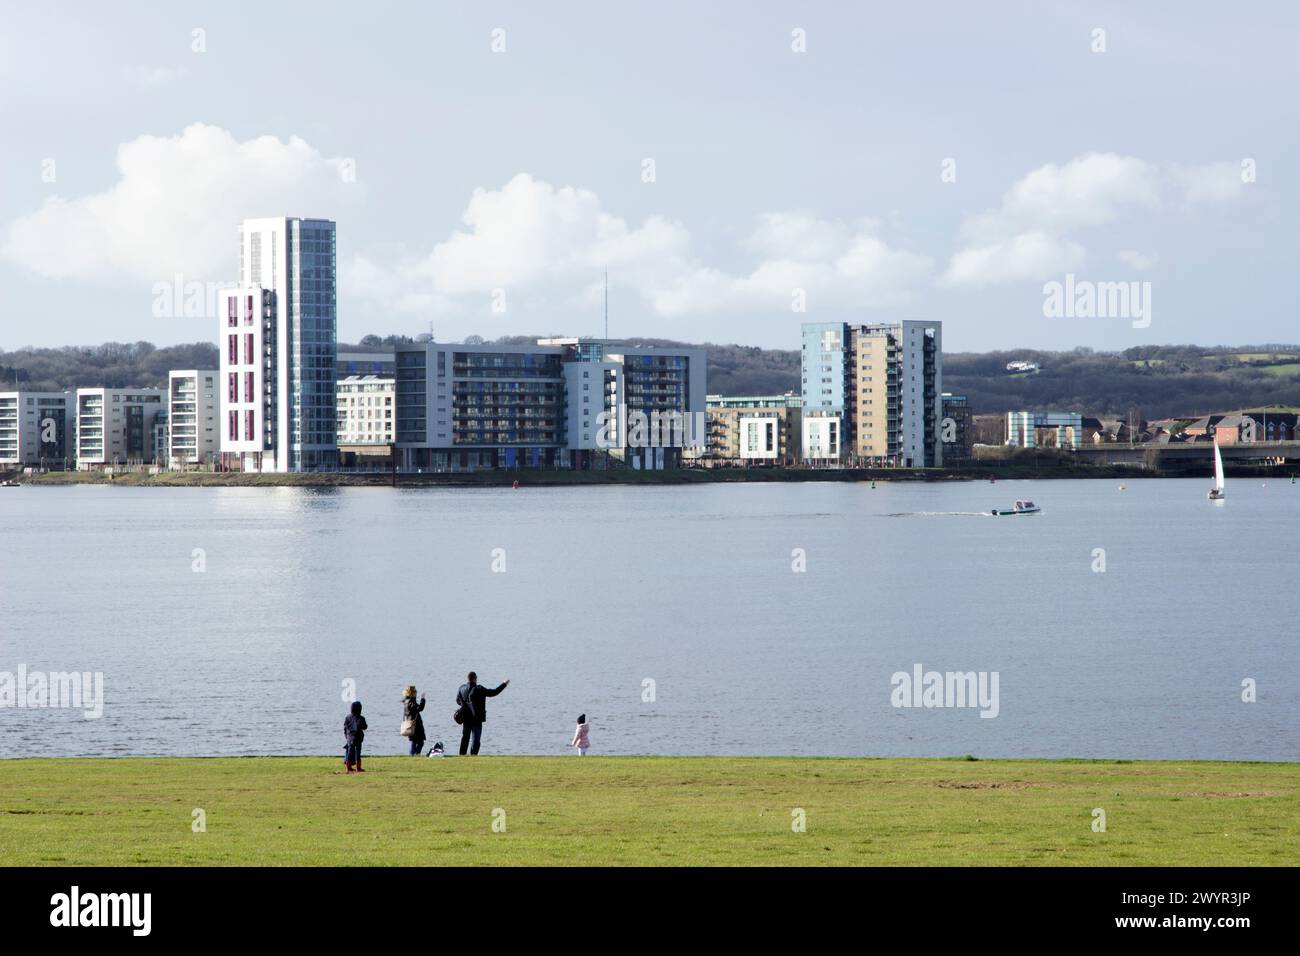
(690,587)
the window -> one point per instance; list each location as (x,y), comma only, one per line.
(232,312)
(248,314)
(232,426)
(248,387)
(232,387)
(248,425)
(248,349)
(232,350)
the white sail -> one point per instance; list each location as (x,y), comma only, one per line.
(1218,468)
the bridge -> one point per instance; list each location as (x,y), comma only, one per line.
(1182,456)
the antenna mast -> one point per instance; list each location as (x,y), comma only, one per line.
(606,303)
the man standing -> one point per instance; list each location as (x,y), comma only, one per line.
(472,700)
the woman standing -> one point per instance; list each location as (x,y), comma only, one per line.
(412,722)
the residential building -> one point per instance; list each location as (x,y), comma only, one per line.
(115,426)
(754,429)
(366,410)
(562,403)
(278,342)
(825,386)
(956,430)
(872,393)
(648,408)
(37,428)
(193,418)
(1045,429)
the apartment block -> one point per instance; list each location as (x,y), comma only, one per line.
(193,418)
(115,426)
(872,393)
(825,387)
(366,410)
(562,403)
(278,341)
(37,428)
(754,429)
(956,430)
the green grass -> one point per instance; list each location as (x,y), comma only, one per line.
(646,810)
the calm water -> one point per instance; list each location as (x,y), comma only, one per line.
(690,587)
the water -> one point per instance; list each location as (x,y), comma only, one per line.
(690,587)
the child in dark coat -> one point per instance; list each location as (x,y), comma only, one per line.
(354,731)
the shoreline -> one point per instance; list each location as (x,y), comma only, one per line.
(527,478)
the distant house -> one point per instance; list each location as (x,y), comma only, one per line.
(1255,425)
(1099,431)
(1203,428)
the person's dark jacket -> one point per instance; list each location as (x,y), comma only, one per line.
(474,696)
(354,728)
(411,711)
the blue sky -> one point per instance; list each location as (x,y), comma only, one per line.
(484,191)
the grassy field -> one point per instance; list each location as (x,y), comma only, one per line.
(646,810)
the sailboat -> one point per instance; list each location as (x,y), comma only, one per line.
(1216,493)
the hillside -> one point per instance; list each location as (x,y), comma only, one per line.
(1156,381)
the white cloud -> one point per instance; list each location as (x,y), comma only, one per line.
(1139,261)
(1026,255)
(1029,235)
(554,242)
(176,207)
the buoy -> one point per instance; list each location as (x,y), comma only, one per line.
(1121,487)
(873,483)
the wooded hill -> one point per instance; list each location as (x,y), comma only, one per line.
(1158,381)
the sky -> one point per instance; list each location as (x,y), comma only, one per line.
(736,168)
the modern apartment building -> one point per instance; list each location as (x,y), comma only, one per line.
(367,409)
(37,428)
(956,430)
(754,429)
(562,403)
(873,393)
(193,418)
(652,404)
(278,342)
(115,426)
(825,391)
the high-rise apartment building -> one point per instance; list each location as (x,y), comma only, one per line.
(193,418)
(37,428)
(278,342)
(873,393)
(825,383)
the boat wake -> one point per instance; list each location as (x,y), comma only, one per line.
(939,514)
